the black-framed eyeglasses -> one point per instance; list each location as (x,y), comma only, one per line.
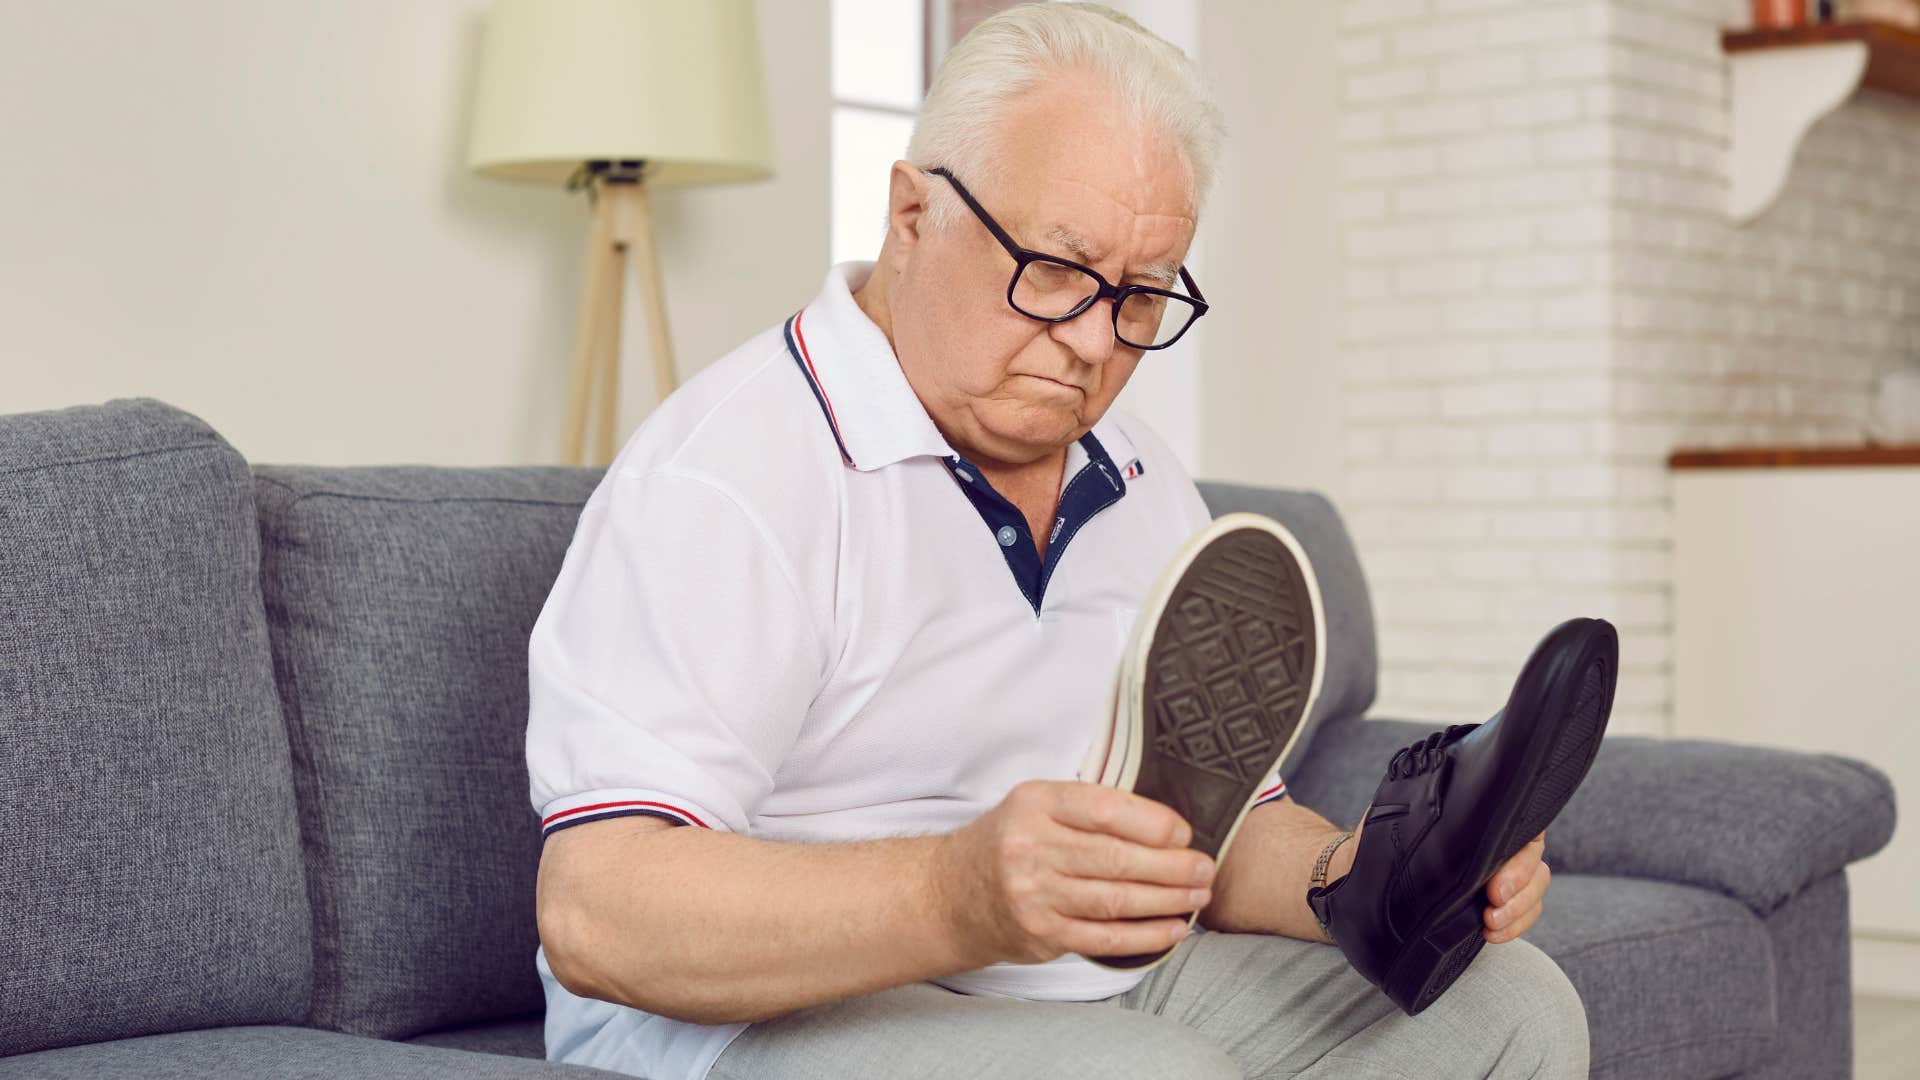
(1052,289)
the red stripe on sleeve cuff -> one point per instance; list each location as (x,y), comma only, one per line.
(639,804)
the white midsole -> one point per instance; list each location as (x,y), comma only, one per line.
(1123,768)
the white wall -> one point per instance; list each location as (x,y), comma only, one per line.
(1272,394)
(1476,342)
(260,212)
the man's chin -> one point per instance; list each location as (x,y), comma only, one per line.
(1034,432)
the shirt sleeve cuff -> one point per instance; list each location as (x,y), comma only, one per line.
(623,802)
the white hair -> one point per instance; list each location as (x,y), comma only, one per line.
(993,67)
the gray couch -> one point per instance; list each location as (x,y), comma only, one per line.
(266,804)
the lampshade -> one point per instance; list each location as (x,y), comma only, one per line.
(676,82)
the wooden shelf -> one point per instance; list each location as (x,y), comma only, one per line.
(1748,457)
(1893,52)
(1782,81)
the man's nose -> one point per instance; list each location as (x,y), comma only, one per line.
(1090,333)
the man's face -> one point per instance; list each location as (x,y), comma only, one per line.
(999,385)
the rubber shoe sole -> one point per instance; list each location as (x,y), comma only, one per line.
(1565,694)
(1221,671)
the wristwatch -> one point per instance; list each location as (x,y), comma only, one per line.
(1320,872)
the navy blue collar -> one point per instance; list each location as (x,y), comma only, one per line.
(1097,484)
(878,420)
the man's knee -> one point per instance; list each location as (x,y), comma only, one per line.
(1546,1018)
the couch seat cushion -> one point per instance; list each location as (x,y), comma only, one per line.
(526,1037)
(278,1053)
(1676,980)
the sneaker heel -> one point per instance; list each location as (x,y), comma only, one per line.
(1430,963)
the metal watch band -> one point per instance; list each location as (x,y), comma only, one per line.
(1326,856)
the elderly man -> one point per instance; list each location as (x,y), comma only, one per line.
(839,624)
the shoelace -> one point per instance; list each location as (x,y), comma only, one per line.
(1425,754)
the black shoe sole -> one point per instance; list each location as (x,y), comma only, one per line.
(1227,684)
(1565,694)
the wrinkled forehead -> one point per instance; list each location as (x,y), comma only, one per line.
(1081,178)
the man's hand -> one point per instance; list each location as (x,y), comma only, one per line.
(1065,866)
(1515,891)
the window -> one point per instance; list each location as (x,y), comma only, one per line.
(882,61)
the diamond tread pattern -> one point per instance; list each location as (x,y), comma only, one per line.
(1226,682)
(1226,685)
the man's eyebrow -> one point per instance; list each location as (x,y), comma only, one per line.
(1162,272)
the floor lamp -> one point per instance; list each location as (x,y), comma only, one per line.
(619,98)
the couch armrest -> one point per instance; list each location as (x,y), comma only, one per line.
(1752,822)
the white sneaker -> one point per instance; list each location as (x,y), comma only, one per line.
(1222,670)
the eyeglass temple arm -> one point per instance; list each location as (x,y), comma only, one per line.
(1191,287)
(980,212)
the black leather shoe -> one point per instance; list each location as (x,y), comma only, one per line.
(1455,806)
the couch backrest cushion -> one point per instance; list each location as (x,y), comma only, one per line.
(400,600)
(150,873)
(1348,683)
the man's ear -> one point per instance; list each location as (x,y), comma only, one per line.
(907,189)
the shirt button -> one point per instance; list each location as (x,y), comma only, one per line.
(1006,536)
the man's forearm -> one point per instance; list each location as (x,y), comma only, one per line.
(1261,887)
(715,927)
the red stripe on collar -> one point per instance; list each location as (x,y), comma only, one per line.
(808,357)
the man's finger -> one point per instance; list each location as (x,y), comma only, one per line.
(1102,855)
(1534,888)
(1514,873)
(1518,913)
(1523,922)
(1523,910)
(1098,808)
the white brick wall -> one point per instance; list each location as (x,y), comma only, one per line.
(1545,297)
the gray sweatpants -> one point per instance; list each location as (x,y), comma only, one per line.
(1224,1005)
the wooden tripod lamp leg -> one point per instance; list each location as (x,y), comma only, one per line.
(647,265)
(587,330)
(609,355)
(622,220)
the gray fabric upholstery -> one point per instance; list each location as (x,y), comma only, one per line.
(278,1053)
(400,599)
(195,851)
(1813,985)
(150,875)
(1348,682)
(1676,980)
(1760,823)
(515,1038)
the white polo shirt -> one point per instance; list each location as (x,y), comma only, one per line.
(790,609)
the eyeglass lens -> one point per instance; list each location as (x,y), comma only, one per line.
(1049,290)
